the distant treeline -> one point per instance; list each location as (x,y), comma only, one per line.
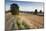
(31,12)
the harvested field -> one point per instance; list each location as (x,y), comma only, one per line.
(23,21)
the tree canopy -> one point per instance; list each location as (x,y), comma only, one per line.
(14,9)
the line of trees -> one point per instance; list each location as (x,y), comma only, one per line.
(37,11)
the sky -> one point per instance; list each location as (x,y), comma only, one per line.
(25,5)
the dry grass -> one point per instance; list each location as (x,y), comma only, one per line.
(24,21)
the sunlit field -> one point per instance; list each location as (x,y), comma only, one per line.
(23,21)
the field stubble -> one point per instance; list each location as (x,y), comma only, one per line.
(23,21)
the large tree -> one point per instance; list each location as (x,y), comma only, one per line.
(14,9)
